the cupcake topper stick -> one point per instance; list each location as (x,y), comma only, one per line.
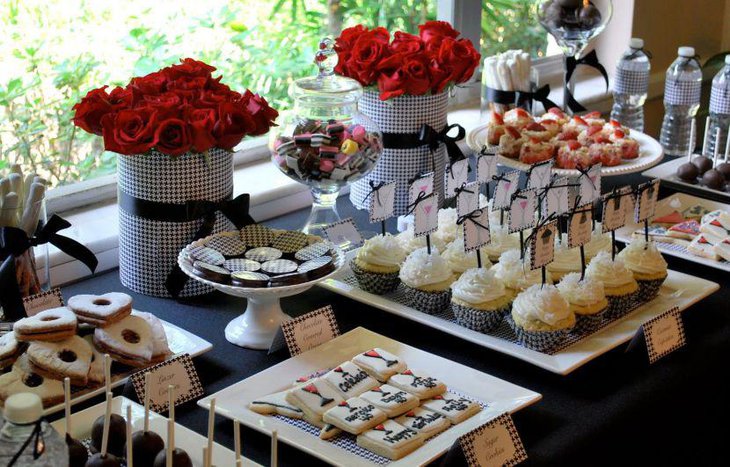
(428,243)
(522,244)
(582,262)
(205,456)
(543,270)
(107,373)
(105,431)
(67,403)
(170,425)
(274,449)
(237,442)
(129,437)
(479,258)
(211,427)
(692,136)
(147,377)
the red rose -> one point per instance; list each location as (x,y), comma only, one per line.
(189,68)
(173,137)
(343,46)
(436,31)
(369,49)
(262,114)
(153,83)
(411,78)
(460,57)
(91,109)
(167,104)
(201,123)
(406,44)
(130,131)
(211,99)
(232,125)
(440,75)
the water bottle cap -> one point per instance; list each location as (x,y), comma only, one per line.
(686,51)
(636,43)
(23,408)
(727,59)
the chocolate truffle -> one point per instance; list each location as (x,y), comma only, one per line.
(713,179)
(145,446)
(107,461)
(77,452)
(117,434)
(703,164)
(724,169)
(180,458)
(688,172)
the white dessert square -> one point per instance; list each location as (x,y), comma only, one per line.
(390,440)
(455,408)
(379,363)
(354,415)
(349,380)
(391,400)
(314,398)
(424,421)
(418,383)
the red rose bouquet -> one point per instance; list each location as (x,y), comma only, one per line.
(409,64)
(178,109)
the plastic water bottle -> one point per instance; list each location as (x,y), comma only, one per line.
(23,425)
(631,85)
(681,101)
(719,110)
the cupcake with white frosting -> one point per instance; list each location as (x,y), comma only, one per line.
(427,280)
(618,283)
(599,242)
(565,260)
(459,260)
(541,317)
(500,241)
(377,264)
(648,266)
(410,243)
(447,230)
(586,298)
(515,273)
(479,300)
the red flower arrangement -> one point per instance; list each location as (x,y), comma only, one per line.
(415,65)
(178,109)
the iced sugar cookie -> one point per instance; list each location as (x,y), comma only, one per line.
(456,409)
(349,380)
(275,403)
(391,400)
(391,440)
(379,364)
(424,422)
(418,383)
(354,415)
(314,398)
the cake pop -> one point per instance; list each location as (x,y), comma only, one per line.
(77,452)
(713,178)
(724,168)
(103,458)
(177,457)
(688,171)
(146,444)
(117,427)
(703,163)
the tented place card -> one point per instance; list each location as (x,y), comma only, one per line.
(310,330)
(664,334)
(180,372)
(496,443)
(456,176)
(34,304)
(343,233)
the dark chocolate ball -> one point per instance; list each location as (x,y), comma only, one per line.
(77,452)
(117,434)
(145,446)
(713,179)
(724,169)
(98,461)
(703,164)
(688,172)
(569,3)
(180,458)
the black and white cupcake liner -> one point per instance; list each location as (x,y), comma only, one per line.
(540,341)
(427,302)
(586,324)
(483,321)
(375,282)
(649,289)
(620,305)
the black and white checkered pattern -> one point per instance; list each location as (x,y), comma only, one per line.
(404,114)
(655,355)
(148,249)
(373,282)
(631,78)
(467,442)
(227,245)
(288,327)
(479,320)
(196,388)
(678,92)
(720,99)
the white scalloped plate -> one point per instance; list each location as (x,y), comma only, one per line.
(650,154)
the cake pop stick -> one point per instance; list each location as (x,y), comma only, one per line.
(107,418)
(170,425)
(692,136)
(67,403)
(237,442)
(274,448)
(717,147)
(205,456)
(211,428)
(107,373)
(130,462)
(704,137)
(147,377)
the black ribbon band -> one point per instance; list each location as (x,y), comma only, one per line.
(427,136)
(635,53)
(39,445)
(236,210)
(14,242)
(522,99)
(571,63)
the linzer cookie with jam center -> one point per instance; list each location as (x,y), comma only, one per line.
(129,341)
(257,235)
(290,241)
(22,379)
(314,399)
(55,324)
(379,363)
(391,400)
(160,348)
(349,380)
(424,421)
(390,439)
(455,408)
(418,383)
(56,360)
(101,310)
(354,415)
(10,349)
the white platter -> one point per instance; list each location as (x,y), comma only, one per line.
(501,396)
(679,249)
(190,441)
(667,173)
(650,154)
(180,342)
(679,290)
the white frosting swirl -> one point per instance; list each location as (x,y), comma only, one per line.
(599,242)
(410,242)
(565,259)
(542,303)
(500,241)
(643,257)
(613,273)
(459,261)
(382,250)
(516,273)
(421,269)
(581,292)
(477,285)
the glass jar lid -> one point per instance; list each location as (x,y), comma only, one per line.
(326,88)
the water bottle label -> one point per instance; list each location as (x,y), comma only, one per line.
(631,82)
(678,92)
(720,99)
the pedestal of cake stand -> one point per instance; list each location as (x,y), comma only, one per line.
(257,326)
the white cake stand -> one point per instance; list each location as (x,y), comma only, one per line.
(257,326)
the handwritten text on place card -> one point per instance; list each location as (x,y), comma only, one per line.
(495,443)
(180,372)
(664,334)
(34,304)
(308,331)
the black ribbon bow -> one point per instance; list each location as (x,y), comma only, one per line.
(375,188)
(522,99)
(14,242)
(571,63)
(420,197)
(39,445)
(427,135)
(473,217)
(236,210)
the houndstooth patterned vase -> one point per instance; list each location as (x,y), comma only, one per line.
(148,249)
(404,114)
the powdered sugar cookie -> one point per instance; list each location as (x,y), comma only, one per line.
(390,439)
(57,360)
(101,310)
(55,324)
(314,398)
(354,415)
(275,403)
(349,380)
(379,364)
(453,407)
(129,341)
(160,349)
(10,348)
(418,383)
(424,421)
(96,367)
(22,379)
(391,400)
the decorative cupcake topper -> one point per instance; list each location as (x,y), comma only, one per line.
(467,198)
(486,168)
(382,202)
(476,231)
(647,195)
(457,174)
(589,184)
(538,176)
(344,234)
(506,185)
(615,207)
(554,198)
(542,245)
(579,231)
(522,213)
(423,204)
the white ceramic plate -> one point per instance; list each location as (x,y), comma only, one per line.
(500,395)
(190,441)
(650,153)
(180,342)
(679,290)
(667,173)
(683,201)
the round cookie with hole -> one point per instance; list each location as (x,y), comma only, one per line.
(101,310)
(57,360)
(128,341)
(22,379)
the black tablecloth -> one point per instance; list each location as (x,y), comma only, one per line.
(616,410)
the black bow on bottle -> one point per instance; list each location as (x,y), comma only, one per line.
(571,63)
(14,242)
(39,445)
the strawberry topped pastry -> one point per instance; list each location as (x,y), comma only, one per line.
(575,125)
(536,131)
(556,115)
(592,134)
(510,142)
(550,125)
(518,118)
(607,154)
(629,146)
(495,129)
(533,151)
(573,155)
(594,118)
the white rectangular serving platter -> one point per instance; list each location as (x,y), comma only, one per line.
(679,290)
(501,396)
(678,202)
(180,342)
(190,441)
(667,171)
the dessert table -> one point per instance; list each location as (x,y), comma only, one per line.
(615,410)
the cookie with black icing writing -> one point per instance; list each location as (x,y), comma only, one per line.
(314,398)
(455,408)
(349,380)
(379,364)
(275,403)
(354,415)
(390,439)
(391,400)
(418,383)
(424,421)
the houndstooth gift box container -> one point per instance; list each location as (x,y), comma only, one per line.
(148,249)
(404,115)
